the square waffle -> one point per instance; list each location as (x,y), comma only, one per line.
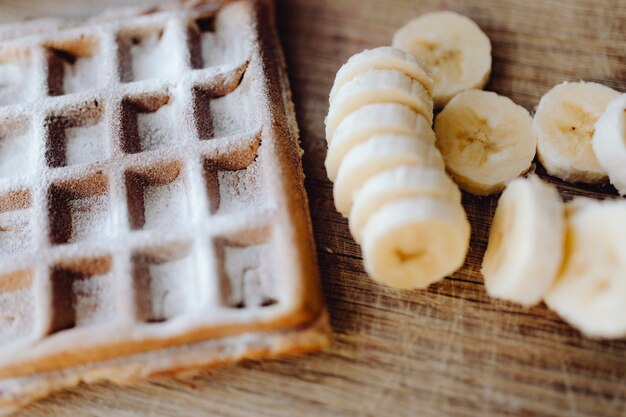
(152,211)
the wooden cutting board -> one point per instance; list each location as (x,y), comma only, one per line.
(447,351)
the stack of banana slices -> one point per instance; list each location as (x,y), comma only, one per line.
(389,177)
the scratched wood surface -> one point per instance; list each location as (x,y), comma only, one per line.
(448,351)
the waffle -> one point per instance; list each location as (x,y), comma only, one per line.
(152,211)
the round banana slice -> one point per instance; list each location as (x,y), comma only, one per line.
(486,140)
(377,86)
(370,120)
(383,58)
(457,51)
(397,184)
(414,242)
(609,142)
(590,290)
(564,122)
(379,153)
(525,242)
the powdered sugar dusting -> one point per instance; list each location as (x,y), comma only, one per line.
(90,218)
(16,234)
(16,314)
(75,65)
(152,53)
(150,141)
(171,288)
(15,78)
(17,307)
(16,151)
(165,205)
(164,282)
(94,299)
(239,189)
(248,274)
(85,144)
(82,293)
(82,75)
(233,112)
(156,129)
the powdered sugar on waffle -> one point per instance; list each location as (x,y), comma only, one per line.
(15,76)
(143,135)
(15,152)
(165,203)
(157,129)
(13,306)
(82,132)
(85,144)
(151,55)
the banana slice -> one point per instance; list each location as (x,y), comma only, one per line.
(609,142)
(590,290)
(564,122)
(525,242)
(457,51)
(383,58)
(397,184)
(486,140)
(377,86)
(371,120)
(414,242)
(379,153)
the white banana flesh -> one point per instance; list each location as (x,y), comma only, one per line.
(486,140)
(390,177)
(383,58)
(525,242)
(414,242)
(377,154)
(609,142)
(397,184)
(564,122)
(455,48)
(370,120)
(383,157)
(377,86)
(590,290)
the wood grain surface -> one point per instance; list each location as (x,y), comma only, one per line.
(447,351)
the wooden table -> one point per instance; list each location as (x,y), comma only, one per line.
(448,351)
